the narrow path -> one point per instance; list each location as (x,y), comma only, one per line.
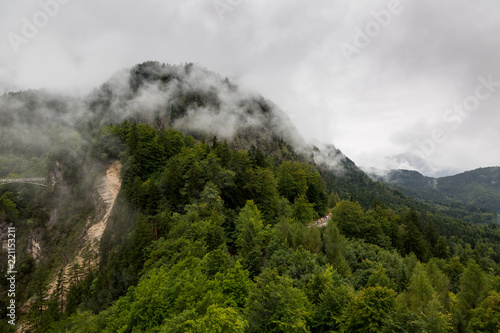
(322,222)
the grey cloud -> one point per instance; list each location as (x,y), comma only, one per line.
(429,55)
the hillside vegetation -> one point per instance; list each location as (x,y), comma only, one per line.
(472,195)
(213,228)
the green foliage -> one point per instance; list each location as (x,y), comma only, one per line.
(163,293)
(210,236)
(486,317)
(413,238)
(219,320)
(379,278)
(8,208)
(302,210)
(330,295)
(349,218)
(425,298)
(297,179)
(441,249)
(369,311)
(472,195)
(292,180)
(334,248)
(249,227)
(251,236)
(312,240)
(274,305)
(235,284)
(474,286)
(264,190)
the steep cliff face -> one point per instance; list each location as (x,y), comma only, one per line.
(106,189)
(79,209)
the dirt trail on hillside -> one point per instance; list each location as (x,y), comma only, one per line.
(322,222)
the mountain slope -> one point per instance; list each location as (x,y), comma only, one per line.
(198,102)
(209,219)
(476,189)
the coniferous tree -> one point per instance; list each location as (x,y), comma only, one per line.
(473,288)
(302,210)
(431,236)
(441,249)
(334,248)
(250,229)
(413,239)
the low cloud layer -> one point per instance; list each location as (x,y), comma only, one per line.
(188,98)
(409,63)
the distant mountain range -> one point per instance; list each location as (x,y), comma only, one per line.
(411,161)
(478,188)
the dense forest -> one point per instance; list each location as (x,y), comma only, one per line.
(213,231)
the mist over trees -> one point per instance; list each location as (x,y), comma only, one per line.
(214,230)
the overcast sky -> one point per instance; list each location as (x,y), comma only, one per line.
(393,84)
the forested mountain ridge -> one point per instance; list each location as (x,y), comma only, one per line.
(211,230)
(476,190)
